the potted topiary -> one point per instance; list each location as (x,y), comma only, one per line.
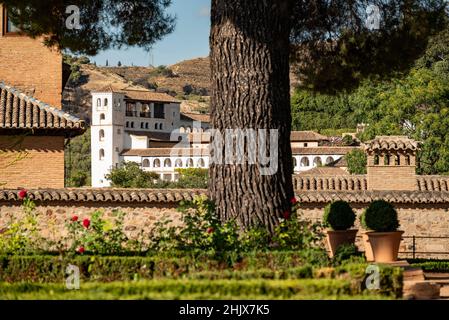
(382,239)
(340,217)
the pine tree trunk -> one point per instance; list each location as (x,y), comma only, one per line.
(250,89)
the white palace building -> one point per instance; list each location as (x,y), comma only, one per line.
(146,127)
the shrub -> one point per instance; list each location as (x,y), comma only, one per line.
(380,216)
(130,175)
(345,253)
(356,160)
(339,215)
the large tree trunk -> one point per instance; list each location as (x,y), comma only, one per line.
(250,89)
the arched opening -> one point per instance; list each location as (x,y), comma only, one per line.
(167,163)
(146,163)
(182,129)
(305,162)
(101,155)
(329,160)
(142,125)
(376,160)
(102,116)
(295,163)
(178,163)
(160,126)
(156,163)
(387,160)
(397,160)
(201,163)
(407,160)
(317,162)
(147,126)
(98,102)
(132,124)
(101,135)
(189,129)
(189,163)
(105,102)
(155,126)
(127,124)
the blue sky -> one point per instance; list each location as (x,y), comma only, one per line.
(189,40)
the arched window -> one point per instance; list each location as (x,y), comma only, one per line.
(146,163)
(329,160)
(127,124)
(156,163)
(147,125)
(141,125)
(201,163)
(101,155)
(101,135)
(98,102)
(132,124)
(305,162)
(155,126)
(178,163)
(189,163)
(105,102)
(188,129)
(376,160)
(397,160)
(387,160)
(407,160)
(294,162)
(102,116)
(317,162)
(160,126)
(182,129)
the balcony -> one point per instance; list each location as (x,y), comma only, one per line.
(145,114)
(131,113)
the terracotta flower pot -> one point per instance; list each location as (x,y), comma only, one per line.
(385,245)
(368,250)
(337,238)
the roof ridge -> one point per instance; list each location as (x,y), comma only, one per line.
(42,105)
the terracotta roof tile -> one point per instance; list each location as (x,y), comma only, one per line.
(190,116)
(322,150)
(307,136)
(392,143)
(21,112)
(146,95)
(166,152)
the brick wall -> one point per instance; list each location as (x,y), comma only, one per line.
(31,162)
(27,64)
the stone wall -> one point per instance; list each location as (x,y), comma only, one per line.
(419,220)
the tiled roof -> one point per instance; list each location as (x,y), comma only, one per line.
(307,136)
(153,136)
(21,112)
(392,143)
(190,116)
(322,150)
(369,196)
(166,152)
(105,194)
(331,183)
(433,183)
(146,95)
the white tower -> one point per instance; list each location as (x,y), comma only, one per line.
(107,131)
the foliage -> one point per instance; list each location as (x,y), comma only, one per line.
(356,161)
(77,161)
(20,236)
(429,265)
(347,253)
(97,235)
(130,175)
(380,216)
(192,178)
(339,215)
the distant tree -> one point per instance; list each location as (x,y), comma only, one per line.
(119,64)
(195,178)
(356,160)
(78,161)
(107,63)
(83,60)
(130,175)
(347,140)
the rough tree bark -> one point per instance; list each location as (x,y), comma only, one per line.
(250,89)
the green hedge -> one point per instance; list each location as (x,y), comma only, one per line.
(431,265)
(193,289)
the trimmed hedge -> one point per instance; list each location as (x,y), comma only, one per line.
(441,266)
(339,215)
(380,216)
(192,289)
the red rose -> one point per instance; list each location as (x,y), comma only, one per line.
(86,223)
(22,194)
(81,250)
(210,230)
(293,201)
(286,215)
(75,218)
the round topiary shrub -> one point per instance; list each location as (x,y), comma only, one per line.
(380,216)
(339,215)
